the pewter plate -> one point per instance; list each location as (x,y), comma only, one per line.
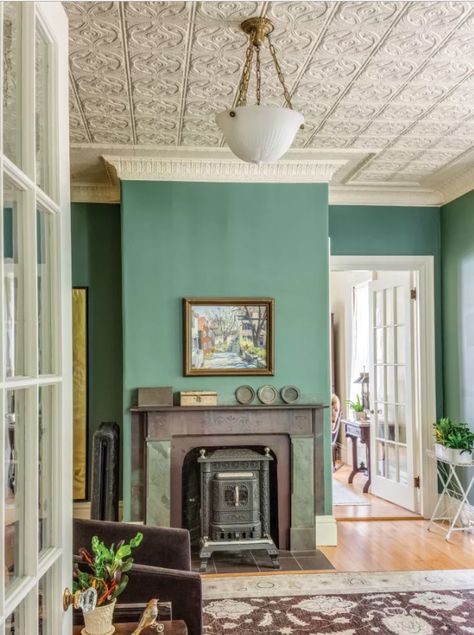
(267,394)
(290,394)
(245,395)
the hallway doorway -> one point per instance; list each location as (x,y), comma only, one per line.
(379,339)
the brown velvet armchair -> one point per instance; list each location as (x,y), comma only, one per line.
(161,569)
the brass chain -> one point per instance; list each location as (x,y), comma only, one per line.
(245,78)
(279,73)
(258,73)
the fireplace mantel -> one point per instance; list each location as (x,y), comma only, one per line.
(162,436)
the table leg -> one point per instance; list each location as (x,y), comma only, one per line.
(369,473)
(355,467)
(464,494)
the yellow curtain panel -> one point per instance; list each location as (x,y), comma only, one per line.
(79,356)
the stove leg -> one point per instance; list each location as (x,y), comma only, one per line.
(275,561)
(204,556)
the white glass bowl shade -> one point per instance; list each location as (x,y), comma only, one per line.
(259,134)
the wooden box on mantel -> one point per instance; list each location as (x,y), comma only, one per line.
(198,398)
(159,396)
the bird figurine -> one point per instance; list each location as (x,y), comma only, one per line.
(149,617)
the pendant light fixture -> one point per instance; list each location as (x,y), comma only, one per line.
(257,133)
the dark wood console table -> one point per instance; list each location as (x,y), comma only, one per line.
(359,430)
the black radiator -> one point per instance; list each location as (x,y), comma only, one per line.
(105,473)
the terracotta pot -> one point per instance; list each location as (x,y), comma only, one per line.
(99,621)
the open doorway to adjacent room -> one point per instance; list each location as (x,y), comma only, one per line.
(378,416)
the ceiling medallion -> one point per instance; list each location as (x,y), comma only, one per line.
(257,133)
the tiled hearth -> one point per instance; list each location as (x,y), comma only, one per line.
(255,562)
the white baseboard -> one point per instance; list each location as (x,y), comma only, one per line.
(326,531)
(82,509)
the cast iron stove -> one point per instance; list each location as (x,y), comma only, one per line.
(235,503)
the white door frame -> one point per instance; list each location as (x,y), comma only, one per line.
(424,333)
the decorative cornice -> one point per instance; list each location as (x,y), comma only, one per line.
(458,185)
(385,194)
(223,169)
(94,193)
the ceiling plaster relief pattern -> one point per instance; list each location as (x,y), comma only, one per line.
(397,77)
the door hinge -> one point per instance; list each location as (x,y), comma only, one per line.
(412,294)
(416,482)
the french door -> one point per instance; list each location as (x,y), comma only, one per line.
(391,371)
(35,291)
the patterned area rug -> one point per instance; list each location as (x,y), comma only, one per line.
(344,495)
(414,603)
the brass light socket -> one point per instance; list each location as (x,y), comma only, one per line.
(257,29)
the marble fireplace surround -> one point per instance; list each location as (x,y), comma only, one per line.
(162,436)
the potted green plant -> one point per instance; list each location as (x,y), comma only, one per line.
(454,441)
(357,408)
(105,571)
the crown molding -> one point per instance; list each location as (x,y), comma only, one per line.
(98,170)
(385,194)
(94,193)
(455,179)
(458,185)
(142,168)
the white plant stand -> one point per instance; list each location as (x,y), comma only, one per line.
(454,496)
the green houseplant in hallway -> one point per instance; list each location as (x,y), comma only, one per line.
(454,441)
(105,571)
(357,408)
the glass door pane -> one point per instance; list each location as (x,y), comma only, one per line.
(45,260)
(15,623)
(45,484)
(43,158)
(45,604)
(14,279)
(14,484)
(12,81)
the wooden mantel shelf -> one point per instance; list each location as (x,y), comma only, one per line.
(297,406)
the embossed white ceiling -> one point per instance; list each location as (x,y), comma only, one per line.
(388,85)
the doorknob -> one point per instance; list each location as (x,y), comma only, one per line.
(68,599)
(85,600)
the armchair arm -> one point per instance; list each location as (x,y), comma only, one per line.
(182,588)
(161,546)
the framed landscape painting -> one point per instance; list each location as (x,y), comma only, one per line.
(228,336)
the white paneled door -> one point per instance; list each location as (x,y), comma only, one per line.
(35,310)
(391,366)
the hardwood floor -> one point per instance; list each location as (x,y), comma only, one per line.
(378,508)
(398,546)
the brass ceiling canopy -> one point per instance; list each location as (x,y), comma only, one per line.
(257,29)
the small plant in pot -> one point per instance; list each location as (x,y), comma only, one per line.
(454,441)
(357,408)
(103,573)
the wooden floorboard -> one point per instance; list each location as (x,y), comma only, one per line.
(398,546)
(378,509)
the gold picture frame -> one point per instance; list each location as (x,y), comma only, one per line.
(228,336)
(80,396)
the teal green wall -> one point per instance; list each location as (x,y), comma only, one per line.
(96,264)
(457,230)
(216,239)
(373,230)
